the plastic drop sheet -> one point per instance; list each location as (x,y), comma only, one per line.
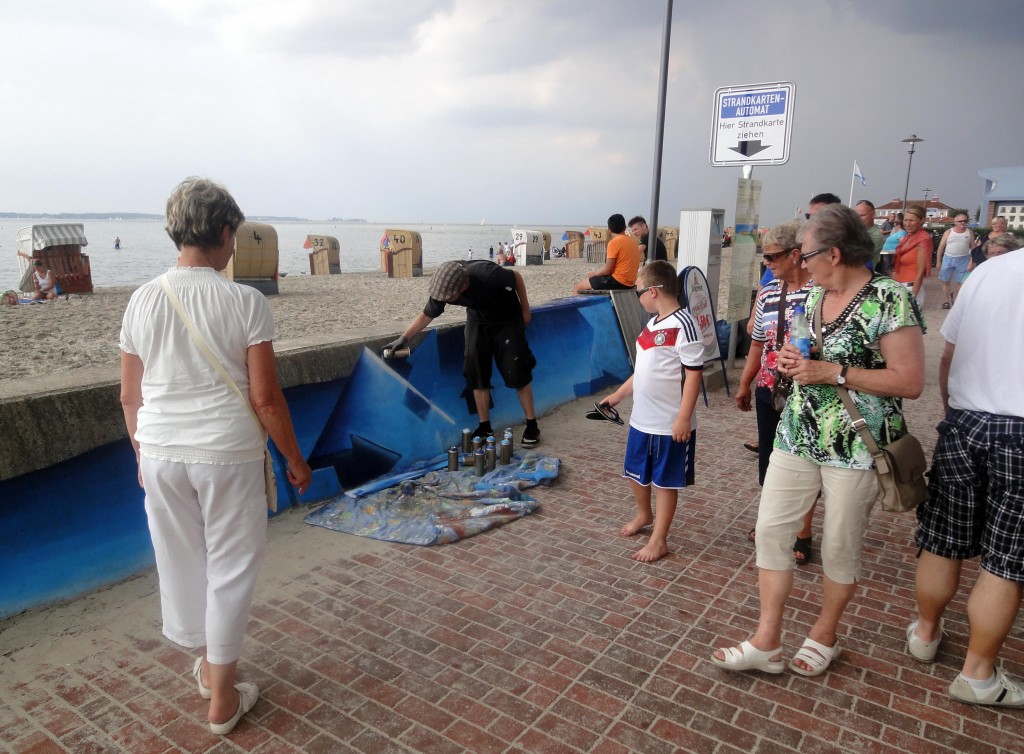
(429,505)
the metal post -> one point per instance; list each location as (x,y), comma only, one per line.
(659,134)
(912,140)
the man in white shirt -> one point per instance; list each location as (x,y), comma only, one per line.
(952,257)
(976,500)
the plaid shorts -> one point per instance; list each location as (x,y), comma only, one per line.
(975,504)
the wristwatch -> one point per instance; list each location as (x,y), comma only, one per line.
(841,378)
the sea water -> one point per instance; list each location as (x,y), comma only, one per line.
(146,251)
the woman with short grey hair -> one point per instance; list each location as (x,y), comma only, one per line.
(200,440)
(872,344)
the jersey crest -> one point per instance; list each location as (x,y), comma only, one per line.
(666,337)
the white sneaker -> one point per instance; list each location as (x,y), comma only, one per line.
(1005,693)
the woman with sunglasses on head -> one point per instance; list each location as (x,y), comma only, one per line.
(872,344)
(913,256)
(782,257)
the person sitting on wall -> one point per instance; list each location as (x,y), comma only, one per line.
(622,262)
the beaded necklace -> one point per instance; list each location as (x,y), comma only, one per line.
(855,302)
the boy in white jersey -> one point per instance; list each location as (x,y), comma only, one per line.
(665,385)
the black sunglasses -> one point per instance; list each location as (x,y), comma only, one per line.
(772,257)
(816,252)
(640,292)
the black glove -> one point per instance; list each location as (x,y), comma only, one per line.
(394,345)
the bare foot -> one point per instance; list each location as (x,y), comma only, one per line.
(651,552)
(636,525)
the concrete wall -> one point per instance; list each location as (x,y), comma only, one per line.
(72,510)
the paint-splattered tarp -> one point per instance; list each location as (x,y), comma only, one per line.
(430,505)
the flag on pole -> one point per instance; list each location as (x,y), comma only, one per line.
(859,175)
(385,242)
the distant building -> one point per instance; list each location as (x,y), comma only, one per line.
(935,209)
(1003,195)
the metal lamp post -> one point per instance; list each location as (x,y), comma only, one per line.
(926,192)
(912,140)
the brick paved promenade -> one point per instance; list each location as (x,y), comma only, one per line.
(542,636)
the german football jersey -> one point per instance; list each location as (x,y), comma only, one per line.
(663,349)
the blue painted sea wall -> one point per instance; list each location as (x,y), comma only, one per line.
(78,522)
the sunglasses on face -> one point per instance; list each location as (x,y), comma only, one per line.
(640,292)
(777,255)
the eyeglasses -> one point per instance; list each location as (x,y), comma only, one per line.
(641,291)
(777,255)
(816,252)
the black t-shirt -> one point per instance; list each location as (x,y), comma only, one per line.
(660,252)
(491,296)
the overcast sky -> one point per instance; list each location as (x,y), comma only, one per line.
(513,111)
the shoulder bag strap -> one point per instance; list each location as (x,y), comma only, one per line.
(780,330)
(844,395)
(205,349)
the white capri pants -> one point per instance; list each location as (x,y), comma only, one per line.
(790,486)
(209,529)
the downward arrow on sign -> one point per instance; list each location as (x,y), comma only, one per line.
(750,148)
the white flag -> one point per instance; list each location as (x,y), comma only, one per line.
(859,175)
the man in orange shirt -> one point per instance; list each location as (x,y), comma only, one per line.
(622,261)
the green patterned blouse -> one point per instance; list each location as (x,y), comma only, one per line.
(814,424)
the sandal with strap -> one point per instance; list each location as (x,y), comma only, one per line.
(748,657)
(204,691)
(817,656)
(802,548)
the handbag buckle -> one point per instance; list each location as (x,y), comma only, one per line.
(859,423)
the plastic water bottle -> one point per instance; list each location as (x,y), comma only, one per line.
(800,331)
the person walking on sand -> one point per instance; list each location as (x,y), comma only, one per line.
(662,428)
(497,313)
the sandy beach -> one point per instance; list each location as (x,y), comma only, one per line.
(43,342)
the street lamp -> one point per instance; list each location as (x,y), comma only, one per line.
(926,192)
(912,140)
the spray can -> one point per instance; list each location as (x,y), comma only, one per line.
(467,441)
(490,458)
(506,452)
(490,439)
(478,444)
(397,353)
(453,458)
(508,436)
(478,461)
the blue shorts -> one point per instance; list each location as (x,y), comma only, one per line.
(659,459)
(951,265)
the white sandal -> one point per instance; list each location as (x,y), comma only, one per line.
(748,657)
(817,656)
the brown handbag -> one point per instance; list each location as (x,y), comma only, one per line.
(900,466)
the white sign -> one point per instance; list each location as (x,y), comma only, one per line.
(752,124)
(698,301)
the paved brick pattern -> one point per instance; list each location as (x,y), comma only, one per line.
(543,636)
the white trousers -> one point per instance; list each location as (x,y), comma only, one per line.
(209,529)
(790,486)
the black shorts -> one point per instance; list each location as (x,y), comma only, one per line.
(607,283)
(503,342)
